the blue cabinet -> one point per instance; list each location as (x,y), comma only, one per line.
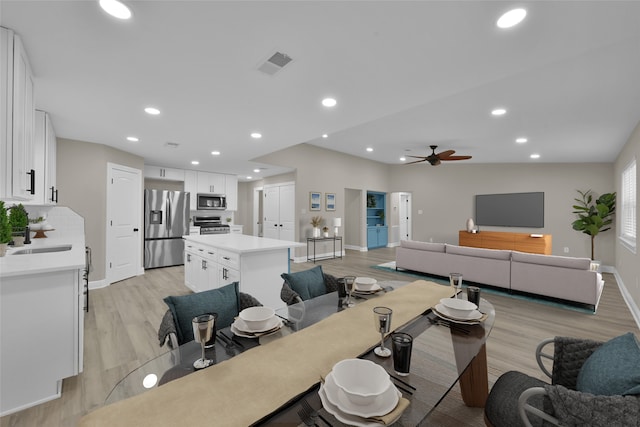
(377,237)
(377,230)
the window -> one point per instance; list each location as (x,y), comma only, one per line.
(628,199)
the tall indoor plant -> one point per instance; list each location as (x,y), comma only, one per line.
(594,217)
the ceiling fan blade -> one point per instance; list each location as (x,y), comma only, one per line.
(445,154)
(456,158)
(417,161)
(419,157)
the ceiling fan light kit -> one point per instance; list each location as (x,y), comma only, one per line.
(435,159)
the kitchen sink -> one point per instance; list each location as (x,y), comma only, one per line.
(44,250)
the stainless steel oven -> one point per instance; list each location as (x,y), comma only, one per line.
(206,201)
(211,225)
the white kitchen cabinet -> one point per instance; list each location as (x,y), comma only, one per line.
(42,320)
(191,186)
(200,268)
(18,114)
(231,191)
(279,211)
(45,146)
(209,182)
(167,174)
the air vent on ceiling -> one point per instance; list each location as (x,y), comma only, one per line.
(171,144)
(275,63)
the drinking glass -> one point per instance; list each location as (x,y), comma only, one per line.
(349,282)
(382,322)
(202,332)
(401,344)
(455,279)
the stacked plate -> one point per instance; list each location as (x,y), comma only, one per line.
(255,322)
(458,310)
(356,391)
(366,285)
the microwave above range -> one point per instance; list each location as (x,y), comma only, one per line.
(206,201)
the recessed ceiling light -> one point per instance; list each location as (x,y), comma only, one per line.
(152,110)
(324,135)
(521,140)
(132,139)
(256,135)
(249,177)
(511,18)
(195,162)
(256,171)
(535,156)
(116,9)
(499,112)
(215,153)
(403,159)
(329,102)
(369,149)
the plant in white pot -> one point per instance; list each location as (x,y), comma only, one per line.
(315,223)
(594,217)
(5,229)
(19,220)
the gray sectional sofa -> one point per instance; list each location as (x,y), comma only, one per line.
(565,278)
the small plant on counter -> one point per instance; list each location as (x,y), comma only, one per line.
(19,219)
(229,219)
(5,227)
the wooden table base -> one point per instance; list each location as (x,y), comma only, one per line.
(474,381)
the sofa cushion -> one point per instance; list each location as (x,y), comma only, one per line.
(552,260)
(478,252)
(308,284)
(423,246)
(224,301)
(613,369)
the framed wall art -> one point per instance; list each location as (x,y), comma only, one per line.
(315,201)
(330,202)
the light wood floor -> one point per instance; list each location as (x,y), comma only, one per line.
(121,333)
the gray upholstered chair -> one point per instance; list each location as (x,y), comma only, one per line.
(306,284)
(227,302)
(517,399)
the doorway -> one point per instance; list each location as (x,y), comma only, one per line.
(404,216)
(124,235)
(257,212)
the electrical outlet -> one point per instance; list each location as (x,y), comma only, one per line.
(566,249)
(419,211)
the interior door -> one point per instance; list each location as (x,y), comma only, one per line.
(271,209)
(404,214)
(124,201)
(287,212)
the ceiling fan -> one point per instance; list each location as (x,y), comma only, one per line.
(435,159)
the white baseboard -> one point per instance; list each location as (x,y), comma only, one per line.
(319,257)
(633,307)
(97,284)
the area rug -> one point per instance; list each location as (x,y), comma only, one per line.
(391,267)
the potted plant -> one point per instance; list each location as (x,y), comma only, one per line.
(315,223)
(325,231)
(19,220)
(381,216)
(594,217)
(5,230)
(371,201)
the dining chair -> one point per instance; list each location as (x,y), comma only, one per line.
(307,284)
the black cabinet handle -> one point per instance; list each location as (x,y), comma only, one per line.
(53,194)
(56,196)
(135,229)
(32,190)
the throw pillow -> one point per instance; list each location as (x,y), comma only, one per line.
(613,368)
(308,284)
(224,301)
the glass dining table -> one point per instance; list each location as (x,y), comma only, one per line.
(443,354)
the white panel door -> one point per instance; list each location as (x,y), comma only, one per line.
(287,212)
(124,201)
(271,209)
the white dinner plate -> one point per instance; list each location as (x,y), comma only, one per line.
(473,315)
(383,404)
(242,326)
(352,420)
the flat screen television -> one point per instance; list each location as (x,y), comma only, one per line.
(510,210)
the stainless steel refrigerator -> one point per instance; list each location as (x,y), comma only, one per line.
(166,220)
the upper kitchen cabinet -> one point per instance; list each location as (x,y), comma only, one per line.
(168,174)
(45,158)
(17,120)
(231,191)
(209,182)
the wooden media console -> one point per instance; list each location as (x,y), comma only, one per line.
(523,242)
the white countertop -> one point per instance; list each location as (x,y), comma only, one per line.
(68,230)
(241,243)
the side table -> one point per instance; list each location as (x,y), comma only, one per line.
(320,239)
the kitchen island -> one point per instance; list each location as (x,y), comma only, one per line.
(214,260)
